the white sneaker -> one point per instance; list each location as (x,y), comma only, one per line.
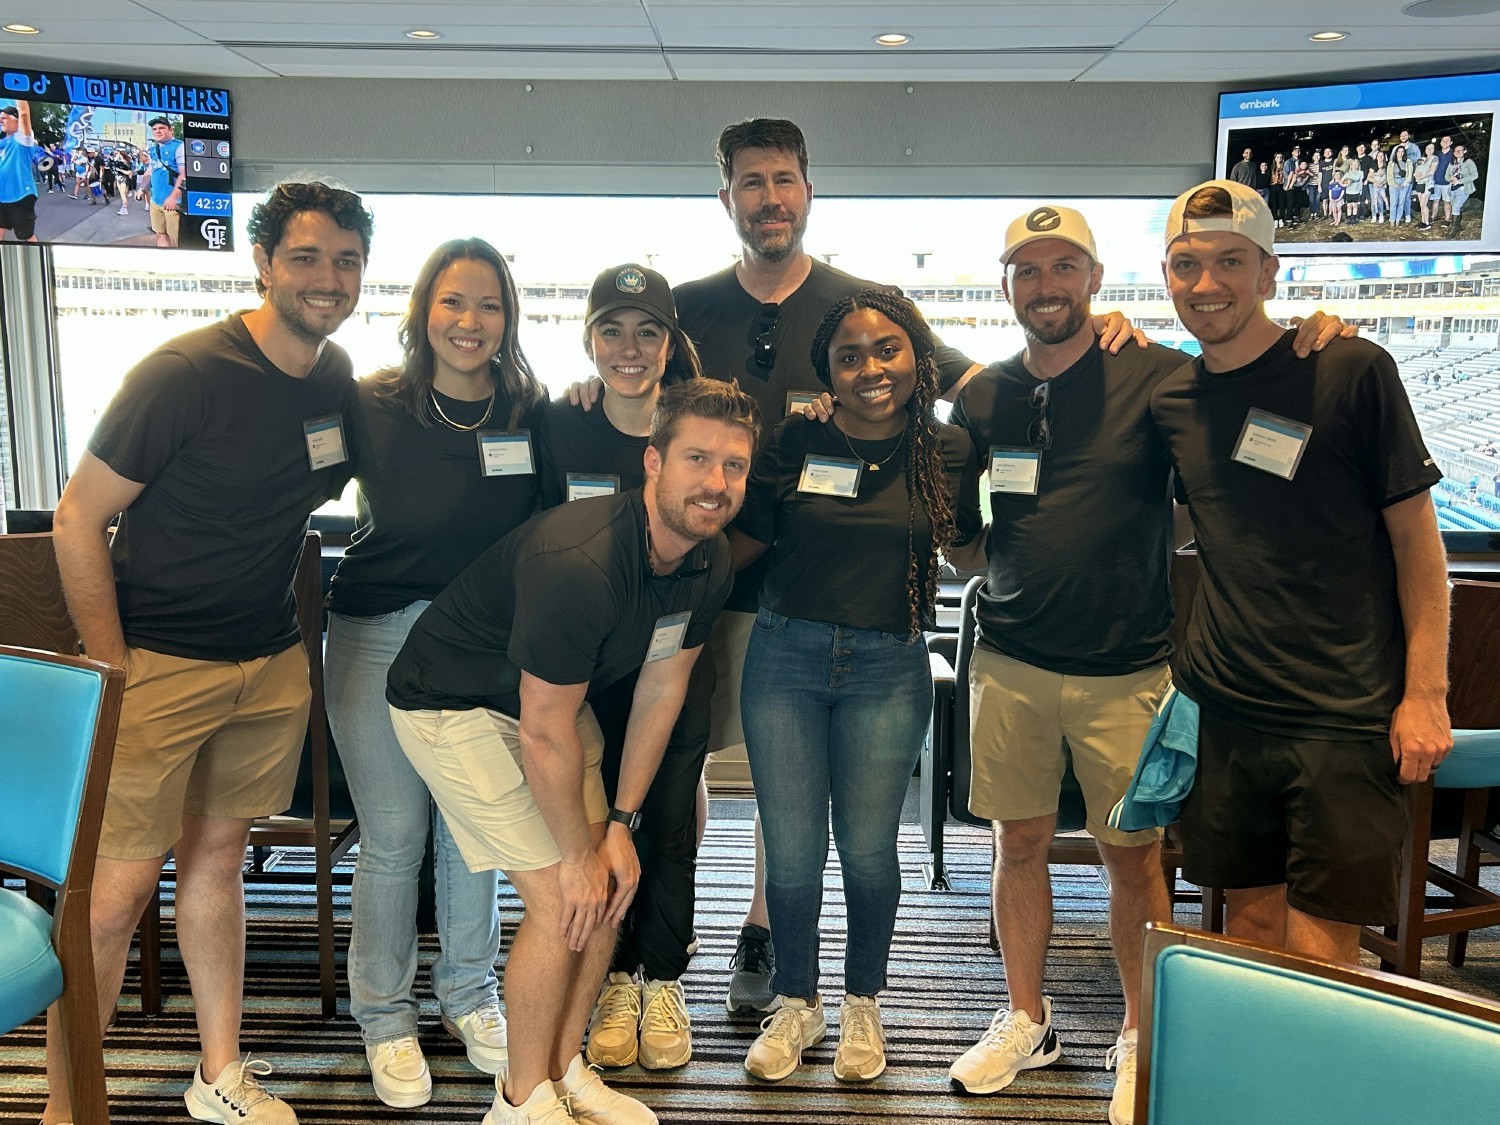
(1013,1043)
(541,1107)
(591,1102)
(399,1072)
(482,1032)
(614,1031)
(1121,1059)
(236,1095)
(785,1034)
(861,1053)
(666,1031)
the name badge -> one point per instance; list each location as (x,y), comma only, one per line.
(830,476)
(1014,469)
(505,454)
(325,441)
(1272,443)
(666,638)
(583,485)
(796,400)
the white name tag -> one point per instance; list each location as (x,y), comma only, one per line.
(583,485)
(1272,443)
(796,400)
(830,476)
(325,441)
(666,639)
(505,454)
(1013,469)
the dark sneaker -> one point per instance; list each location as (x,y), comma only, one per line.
(750,972)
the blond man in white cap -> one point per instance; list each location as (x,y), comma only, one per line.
(1317,647)
(1072,639)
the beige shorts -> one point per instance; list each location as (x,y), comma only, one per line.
(205,738)
(471,762)
(166,222)
(728,642)
(1019,717)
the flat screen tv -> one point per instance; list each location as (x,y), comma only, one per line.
(106,156)
(1397,166)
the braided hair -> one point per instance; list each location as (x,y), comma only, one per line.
(925,479)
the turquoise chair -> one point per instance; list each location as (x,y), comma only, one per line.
(58,716)
(1233,1033)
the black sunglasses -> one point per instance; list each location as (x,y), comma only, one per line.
(765,341)
(1039,433)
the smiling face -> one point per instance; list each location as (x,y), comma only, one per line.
(466,320)
(873,369)
(630,349)
(768,200)
(1217,280)
(161,133)
(312,277)
(697,483)
(1049,283)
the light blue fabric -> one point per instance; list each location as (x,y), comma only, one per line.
(30,975)
(1474,762)
(166,156)
(16,178)
(1164,773)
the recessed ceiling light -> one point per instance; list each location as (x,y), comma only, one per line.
(21,29)
(1327,36)
(424,33)
(893,39)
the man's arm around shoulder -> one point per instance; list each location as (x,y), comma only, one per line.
(95,495)
(1421,734)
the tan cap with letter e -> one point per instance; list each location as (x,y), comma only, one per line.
(1248,215)
(1048,221)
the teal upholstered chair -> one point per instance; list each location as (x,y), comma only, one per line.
(58,716)
(1234,1033)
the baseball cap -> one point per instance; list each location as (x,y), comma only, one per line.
(1049,222)
(631,286)
(1250,216)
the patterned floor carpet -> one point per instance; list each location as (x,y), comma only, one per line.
(945,984)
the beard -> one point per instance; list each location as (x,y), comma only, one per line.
(304,323)
(1054,332)
(773,247)
(683,517)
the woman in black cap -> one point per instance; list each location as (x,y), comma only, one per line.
(632,336)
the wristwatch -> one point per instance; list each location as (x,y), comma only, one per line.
(631,820)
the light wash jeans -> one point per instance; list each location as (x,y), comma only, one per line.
(832,715)
(394,810)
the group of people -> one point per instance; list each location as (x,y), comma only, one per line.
(550,611)
(157,176)
(1377,182)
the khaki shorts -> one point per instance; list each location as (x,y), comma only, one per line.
(728,642)
(1020,716)
(166,222)
(471,762)
(202,738)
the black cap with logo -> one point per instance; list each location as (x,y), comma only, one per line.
(632,286)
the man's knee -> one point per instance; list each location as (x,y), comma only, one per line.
(1024,843)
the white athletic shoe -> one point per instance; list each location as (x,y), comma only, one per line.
(541,1107)
(1013,1043)
(236,1096)
(861,1053)
(399,1072)
(482,1032)
(666,1031)
(1121,1059)
(788,1031)
(591,1102)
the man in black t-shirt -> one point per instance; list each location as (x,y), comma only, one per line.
(215,450)
(1317,645)
(488,698)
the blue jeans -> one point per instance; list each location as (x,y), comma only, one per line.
(394,810)
(832,714)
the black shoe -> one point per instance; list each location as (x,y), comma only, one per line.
(750,971)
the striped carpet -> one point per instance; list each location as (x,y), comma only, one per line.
(945,984)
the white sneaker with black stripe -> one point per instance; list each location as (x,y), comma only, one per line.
(1013,1043)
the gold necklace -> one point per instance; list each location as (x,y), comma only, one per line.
(874,466)
(450,423)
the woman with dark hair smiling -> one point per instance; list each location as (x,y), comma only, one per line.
(837,689)
(445,467)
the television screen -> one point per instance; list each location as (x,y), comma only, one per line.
(1396,166)
(114,162)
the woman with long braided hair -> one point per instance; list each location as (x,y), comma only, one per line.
(837,691)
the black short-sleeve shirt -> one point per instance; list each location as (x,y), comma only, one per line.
(844,559)
(1296,628)
(585,441)
(568,597)
(1077,579)
(724,321)
(425,508)
(204,558)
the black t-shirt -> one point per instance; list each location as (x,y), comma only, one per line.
(1296,628)
(425,508)
(204,558)
(1078,574)
(585,441)
(590,604)
(723,322)
(844,559)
